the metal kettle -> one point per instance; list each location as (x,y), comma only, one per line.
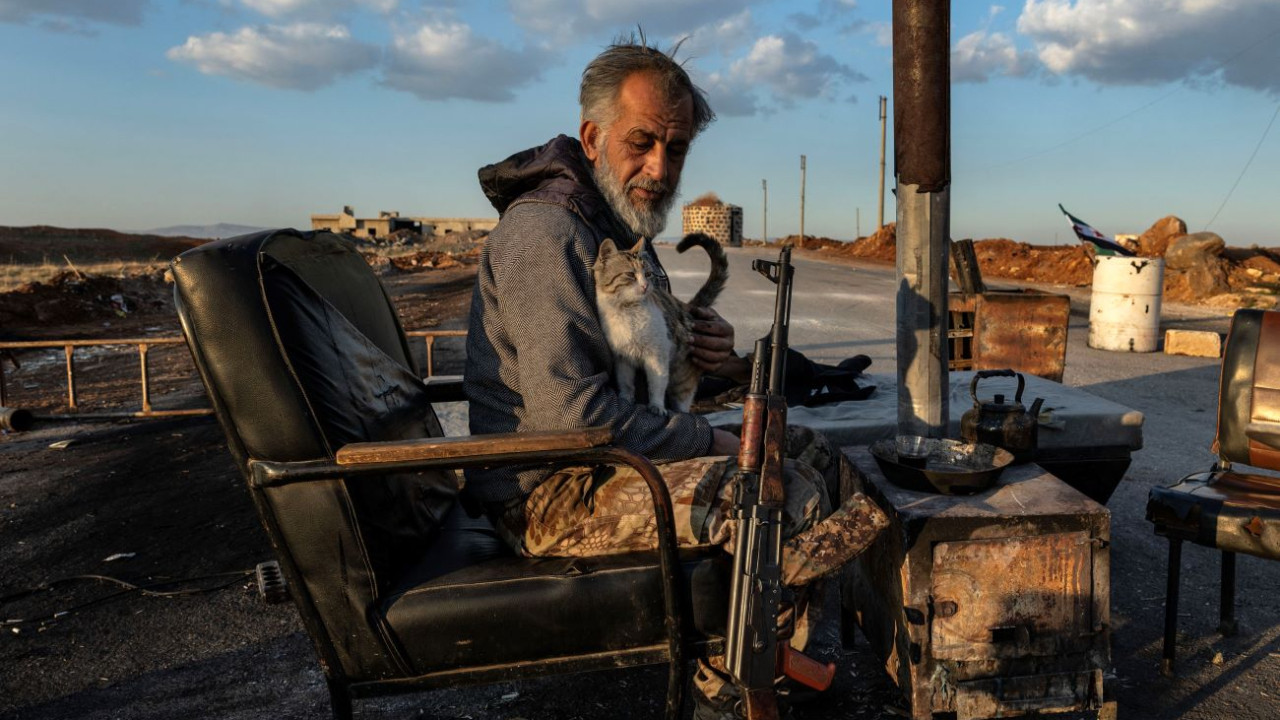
(1004,424)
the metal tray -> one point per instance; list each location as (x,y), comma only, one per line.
(952,467)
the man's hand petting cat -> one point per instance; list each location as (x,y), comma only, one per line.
(712,342)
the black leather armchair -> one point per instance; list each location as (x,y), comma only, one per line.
(310,376)
(1225,509)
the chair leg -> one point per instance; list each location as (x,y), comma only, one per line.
(1227,597)
(677,676)
(1171,606)
(340,698)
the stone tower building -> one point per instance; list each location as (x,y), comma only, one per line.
(708,214)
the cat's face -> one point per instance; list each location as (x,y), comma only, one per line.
(621,275)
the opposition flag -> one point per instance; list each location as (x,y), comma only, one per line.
(1087,234)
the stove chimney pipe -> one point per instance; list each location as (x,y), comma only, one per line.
(922,167)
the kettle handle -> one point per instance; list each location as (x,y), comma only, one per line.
(973,385)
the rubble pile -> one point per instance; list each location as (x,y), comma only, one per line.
(879,245)
(1199,267)
(72,297)
(1007,259)
(431,260)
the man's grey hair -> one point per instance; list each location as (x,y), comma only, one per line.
(629,54)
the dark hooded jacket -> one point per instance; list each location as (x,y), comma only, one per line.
(537,358)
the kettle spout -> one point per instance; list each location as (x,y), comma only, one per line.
(1035,409)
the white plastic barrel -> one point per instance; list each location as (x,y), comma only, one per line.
(1124,311)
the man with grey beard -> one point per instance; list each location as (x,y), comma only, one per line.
(537,358)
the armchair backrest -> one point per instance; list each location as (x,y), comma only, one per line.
(301,352)
(1249,393)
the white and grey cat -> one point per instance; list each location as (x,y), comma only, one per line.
(648,327)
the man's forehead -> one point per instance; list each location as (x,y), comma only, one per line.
(644,102)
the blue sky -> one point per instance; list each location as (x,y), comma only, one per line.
(135,114)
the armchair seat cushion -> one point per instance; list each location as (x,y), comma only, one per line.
(1234,512)
(510,609)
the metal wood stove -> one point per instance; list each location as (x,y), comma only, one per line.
(987,605)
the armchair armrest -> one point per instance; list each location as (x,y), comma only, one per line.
(472,448)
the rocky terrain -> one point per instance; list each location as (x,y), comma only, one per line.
(1199,267)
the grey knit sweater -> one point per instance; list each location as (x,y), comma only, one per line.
(536,355)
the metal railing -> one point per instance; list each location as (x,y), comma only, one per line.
(429,338)
(144,345)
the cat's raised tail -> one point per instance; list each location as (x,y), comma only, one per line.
(715,283)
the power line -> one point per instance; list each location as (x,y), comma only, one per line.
(1087,133)
(1246,167)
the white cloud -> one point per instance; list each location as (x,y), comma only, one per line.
(981,54)
(302,56)
(442,59)
(316,8)
(1155,41)
(791,67)
(786,66)
(73,14)
(723,36)
(571,20)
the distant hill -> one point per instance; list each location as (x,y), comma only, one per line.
(208,232)
(39,244)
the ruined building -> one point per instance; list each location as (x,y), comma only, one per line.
(709,214)
(388,222)
(347,222)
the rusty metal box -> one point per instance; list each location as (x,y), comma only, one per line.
(988,605)
(1025,330)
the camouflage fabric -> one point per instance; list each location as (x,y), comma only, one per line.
(585,511)
(832,543)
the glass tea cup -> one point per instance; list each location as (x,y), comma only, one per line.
(912,450)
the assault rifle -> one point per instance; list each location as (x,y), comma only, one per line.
(754,656)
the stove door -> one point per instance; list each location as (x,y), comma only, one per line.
(1012,597)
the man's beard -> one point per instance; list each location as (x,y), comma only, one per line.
(647,220)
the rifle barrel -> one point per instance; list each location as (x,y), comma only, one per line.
(781,323)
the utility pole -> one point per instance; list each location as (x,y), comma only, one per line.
(764,185)
(883,115)
(802,201)
(922,163)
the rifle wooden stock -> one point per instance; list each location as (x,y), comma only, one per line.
(775,450)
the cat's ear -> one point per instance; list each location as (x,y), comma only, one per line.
(607,247)
(639,246)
